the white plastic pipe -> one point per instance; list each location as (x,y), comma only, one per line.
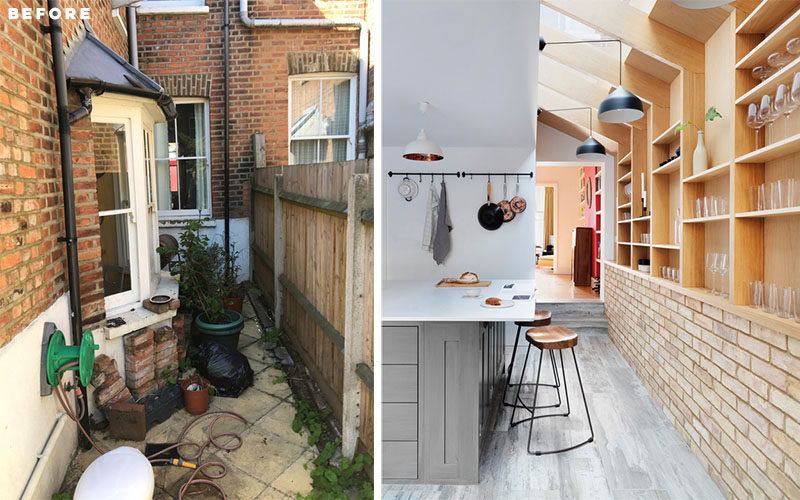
(363,47)
(41,459)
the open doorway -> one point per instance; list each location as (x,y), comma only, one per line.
(564,205)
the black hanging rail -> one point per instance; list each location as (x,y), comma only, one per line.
(499,174)
(432,174)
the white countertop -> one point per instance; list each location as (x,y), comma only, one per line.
(420,300)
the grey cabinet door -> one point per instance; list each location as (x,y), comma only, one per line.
(400,383)
(400,460)
(451,374)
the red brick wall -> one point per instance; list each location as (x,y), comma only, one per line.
(32,263)
(259,89)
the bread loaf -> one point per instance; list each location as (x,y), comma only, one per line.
(493,301)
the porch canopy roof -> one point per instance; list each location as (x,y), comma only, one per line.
(95,65)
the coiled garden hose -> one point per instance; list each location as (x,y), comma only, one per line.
(185,461)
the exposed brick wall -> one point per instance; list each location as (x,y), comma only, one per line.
(32,263)
(729,385)
(258,74)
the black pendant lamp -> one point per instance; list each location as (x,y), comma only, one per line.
(590,149)
(621,105)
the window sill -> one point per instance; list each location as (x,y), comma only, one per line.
(139,317)
(144,10)
(179,221)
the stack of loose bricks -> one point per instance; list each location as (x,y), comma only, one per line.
(109,386)
(151,357)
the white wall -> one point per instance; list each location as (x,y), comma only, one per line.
(215,230)
(505,253)
(27,419)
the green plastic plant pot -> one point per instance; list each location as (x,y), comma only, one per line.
(225,333)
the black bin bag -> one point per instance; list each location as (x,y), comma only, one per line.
(227,370)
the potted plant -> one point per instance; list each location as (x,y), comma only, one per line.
(700,155)
(195,394)
(232,292)
(206,284)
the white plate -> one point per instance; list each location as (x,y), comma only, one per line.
(503,304)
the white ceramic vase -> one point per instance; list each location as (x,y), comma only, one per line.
(700,156)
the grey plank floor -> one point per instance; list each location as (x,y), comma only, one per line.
(636,454)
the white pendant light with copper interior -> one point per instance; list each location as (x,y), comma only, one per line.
(422,148)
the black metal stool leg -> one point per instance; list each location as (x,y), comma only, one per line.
(555,385)
(585,405)
(519,386)
(511,366)
(535,392)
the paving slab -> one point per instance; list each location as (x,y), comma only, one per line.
(268,465)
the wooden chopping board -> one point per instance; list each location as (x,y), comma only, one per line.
(481,284)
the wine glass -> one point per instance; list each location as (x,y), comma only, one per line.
(767,113)
(722,267)
(760,73)
(711,265)
(754,121)
(793,46)
(779,59)
(784,104)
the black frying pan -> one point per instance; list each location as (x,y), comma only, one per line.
(490,216)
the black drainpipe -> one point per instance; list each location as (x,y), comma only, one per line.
(133,52)
(70,238)
(226,187)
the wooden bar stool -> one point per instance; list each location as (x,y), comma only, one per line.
(540,318)
(551,338)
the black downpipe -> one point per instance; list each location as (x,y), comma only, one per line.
(65,144)
(133,50)
(226,187)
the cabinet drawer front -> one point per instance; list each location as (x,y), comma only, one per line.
(399,460)
(399,383)
(400,345)
(400,421)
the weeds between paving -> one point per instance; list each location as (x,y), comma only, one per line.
(333,476)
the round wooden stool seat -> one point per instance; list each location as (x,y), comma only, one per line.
(552,337)
(540,318)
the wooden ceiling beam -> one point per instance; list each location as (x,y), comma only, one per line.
(636,29)
(590,60)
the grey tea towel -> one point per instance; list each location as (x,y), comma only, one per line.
(441,242)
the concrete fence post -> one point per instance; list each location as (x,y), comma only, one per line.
(358,199)
(277,258)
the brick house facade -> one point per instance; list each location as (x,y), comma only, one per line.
(259,74)
(183,53)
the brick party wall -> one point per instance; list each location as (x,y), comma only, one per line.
(32,261)
(259,74)
(730,386)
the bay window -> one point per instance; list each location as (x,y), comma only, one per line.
(183,173)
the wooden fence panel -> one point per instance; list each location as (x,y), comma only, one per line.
(314,228)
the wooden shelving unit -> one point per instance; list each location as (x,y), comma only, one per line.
(762,245)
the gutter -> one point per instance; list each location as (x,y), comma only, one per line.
(363,47)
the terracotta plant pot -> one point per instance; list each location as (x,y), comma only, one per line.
(196,402)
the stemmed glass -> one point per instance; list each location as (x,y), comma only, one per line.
(793,46)
(760,73)
(784,104)
(779,59)
(711,265)
(767,113)
(722,267)
(754,120)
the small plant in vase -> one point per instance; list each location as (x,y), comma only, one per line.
(700,155)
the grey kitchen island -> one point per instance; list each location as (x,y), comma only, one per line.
(443,369)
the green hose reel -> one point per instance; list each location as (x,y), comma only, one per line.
(60,354)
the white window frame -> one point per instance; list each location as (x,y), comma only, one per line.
(191,213)
(138,115)
(351,137)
